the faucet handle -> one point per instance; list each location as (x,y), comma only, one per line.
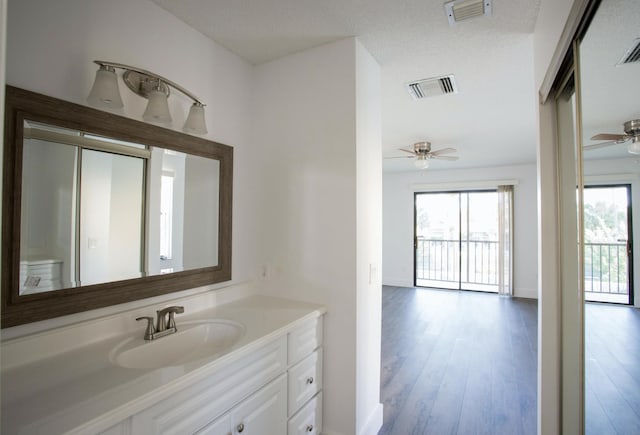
(148,334)
(172,312)
(163,324)
(175,309)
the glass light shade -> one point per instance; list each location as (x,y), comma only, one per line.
(195,121)
(634,147)
(421,163)
(105,92)
(158,107)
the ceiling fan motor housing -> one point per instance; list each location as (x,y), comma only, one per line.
(632,128)
(422,148)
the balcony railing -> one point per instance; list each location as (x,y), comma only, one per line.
(439,263)
(606,268)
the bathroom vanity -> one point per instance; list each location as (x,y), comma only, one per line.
(250,366)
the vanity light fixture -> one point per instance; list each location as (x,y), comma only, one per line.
(105,94)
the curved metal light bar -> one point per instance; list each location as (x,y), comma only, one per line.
(152,75)
(147,84)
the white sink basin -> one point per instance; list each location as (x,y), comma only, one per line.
(194,340)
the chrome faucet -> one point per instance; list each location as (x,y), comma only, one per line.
(165,323)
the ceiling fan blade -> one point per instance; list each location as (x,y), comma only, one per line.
(451,158)
(443,151)
(601,145)
(608,136)
(400,157)
(408,151)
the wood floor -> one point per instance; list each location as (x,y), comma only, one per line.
(457,363)
(465,363)
(612,370)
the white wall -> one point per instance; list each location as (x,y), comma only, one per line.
(200,211)
(398,225)
(51,47)
(297,132)
(310,130)
(369,242)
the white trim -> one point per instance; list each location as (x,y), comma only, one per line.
(374,422)
(566,39)
(610,178)
(466,185)
(92,143)
(527,293)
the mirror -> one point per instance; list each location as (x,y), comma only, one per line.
(100,209)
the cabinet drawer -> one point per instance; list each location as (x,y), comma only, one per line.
(262,413)
(304,340)
(308,421)
(305,380)
(220,426)
(192,408)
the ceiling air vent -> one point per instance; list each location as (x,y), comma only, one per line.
(633,54)
(459,10)
(432,87)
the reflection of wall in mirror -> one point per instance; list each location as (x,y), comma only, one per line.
(48,214)
(201,212)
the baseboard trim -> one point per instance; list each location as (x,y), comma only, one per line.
(526,293)
(374,422)
(397,282)
(372,427)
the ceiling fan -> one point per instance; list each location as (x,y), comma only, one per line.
(631,132)
(422,153)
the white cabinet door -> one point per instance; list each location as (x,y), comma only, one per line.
(220,426)
(264,413)
(194,407)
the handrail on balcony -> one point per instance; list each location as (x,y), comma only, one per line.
(440,260)
(606,268)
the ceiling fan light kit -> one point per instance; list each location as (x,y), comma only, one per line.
(421,162)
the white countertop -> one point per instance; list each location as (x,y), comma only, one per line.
(82,387)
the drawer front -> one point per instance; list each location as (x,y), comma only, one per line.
(308,421)
(196,406)
(305,380)
(304,340)
(221,426)
(264,413)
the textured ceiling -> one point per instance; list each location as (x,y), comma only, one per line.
(491,121)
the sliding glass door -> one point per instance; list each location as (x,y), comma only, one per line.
(457,240)
(607,244)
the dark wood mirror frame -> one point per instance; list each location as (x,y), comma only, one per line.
(17,309)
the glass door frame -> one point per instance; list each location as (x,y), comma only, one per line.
(460,231)
(629,247)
